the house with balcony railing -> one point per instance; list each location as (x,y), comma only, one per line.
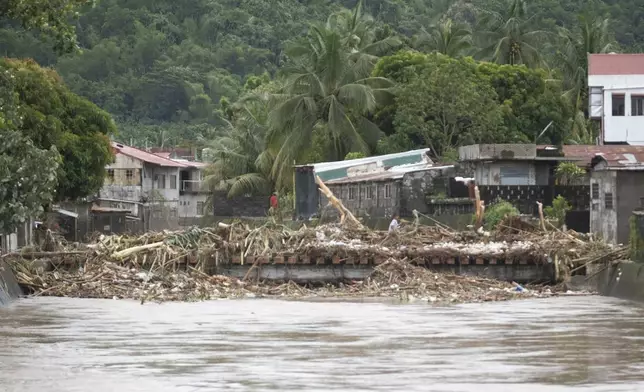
(139,177)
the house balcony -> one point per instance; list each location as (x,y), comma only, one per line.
(193,186)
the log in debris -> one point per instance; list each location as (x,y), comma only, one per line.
(145,267)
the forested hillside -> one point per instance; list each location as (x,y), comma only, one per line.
(241,75)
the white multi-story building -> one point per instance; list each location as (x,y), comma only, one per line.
(137,177)
(616,96)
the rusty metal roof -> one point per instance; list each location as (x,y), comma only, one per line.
(621,161)
(616,64)
(145,156)
(584,154)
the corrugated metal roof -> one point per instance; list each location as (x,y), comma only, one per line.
(109,209)
(198,165)
(323,166)
(584,154)
(616,64)
(145,156)
(621,161)
(328,171)
(394,173)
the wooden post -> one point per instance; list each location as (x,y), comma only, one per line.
(337,203)
(541,218)
(478,207)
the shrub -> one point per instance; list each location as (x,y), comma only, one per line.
(498,211)
(558,210)
(354,155)
(567,173)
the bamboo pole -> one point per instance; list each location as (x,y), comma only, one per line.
(478,207)
(337,203)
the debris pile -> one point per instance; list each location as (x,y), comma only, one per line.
(171,266)
(393,279)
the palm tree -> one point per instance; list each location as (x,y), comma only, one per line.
(360,36)
(241,163)
(591,36)
(328,90)
(507,36)
(446,37)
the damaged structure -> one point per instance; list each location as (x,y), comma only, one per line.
(376,186)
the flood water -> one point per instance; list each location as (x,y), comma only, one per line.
(559,344)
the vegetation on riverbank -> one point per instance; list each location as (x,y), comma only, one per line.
(265,84)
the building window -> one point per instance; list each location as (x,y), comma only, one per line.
(619,104)
(637,105)
(594,191)
(368,192)
(129,174)
(160,181)
(608,196)
(173,182)
(352,193)
(110,174)
(514,175)
(200,208)
(388,191)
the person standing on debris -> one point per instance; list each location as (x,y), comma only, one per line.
(274,204)
(393,226)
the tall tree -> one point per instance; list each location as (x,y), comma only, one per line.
(447,106)
(51,17)
(328,89)
(27,173)
(240,162)
(508,35)
(54,116)
(592,35)
(446,37)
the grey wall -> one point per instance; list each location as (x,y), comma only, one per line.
(360,205)
(416,186)
(630,189)
(490,173)
(603,221)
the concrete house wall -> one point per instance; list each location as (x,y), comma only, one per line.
(621,75)
(603,221)
(511,173)
(626,189)
(370,198)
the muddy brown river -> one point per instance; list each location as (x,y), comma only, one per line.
(560,344)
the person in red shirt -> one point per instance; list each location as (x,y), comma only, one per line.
(273,211)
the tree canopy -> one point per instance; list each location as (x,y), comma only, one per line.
(346,76)
(52,116)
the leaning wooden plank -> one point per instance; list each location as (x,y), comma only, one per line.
(337,203)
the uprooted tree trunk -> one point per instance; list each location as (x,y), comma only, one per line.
(337,203)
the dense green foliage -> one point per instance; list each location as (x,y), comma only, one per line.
(182,74)
(27,173)
(497,212)
(558,210)
(52,116)
(50,17)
